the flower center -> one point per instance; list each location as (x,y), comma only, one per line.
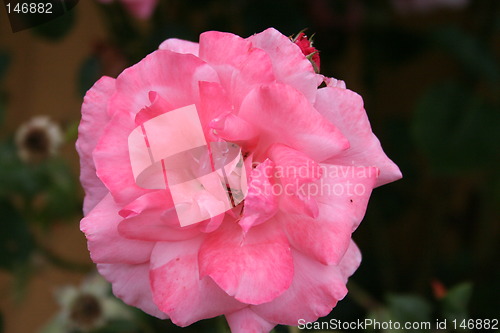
(86,311)
(205,179)
(37,141)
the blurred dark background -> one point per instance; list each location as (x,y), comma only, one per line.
(429,75)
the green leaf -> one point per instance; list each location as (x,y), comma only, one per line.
(408,308)
(61,193)
(468,51)
(380,315)
(456,129)
(89,73)
(16,241)
(454,304)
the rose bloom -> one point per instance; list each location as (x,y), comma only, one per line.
(425,6)
(141,9)
(282,251)
(307,48)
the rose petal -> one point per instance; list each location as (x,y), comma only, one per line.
(294,169)
(213,102)
(348,188)
(158,107)
(254,267)
(105,244)
(176,84)
(290,119)
(333,82)
(180,46)
(232,128)
(94,114)
(315,290)
(239,65)
(342,199)
(131,284)
(289,63)
(260,203)
(153,217)
(112,160)
(344,108)
(245,320)
(178,289)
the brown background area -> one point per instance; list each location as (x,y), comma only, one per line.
(41,80)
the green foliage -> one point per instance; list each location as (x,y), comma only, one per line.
(17,178)
(412,308)
(409,308)
(16,242)
(90,72)
(47,190)
(454,304)
(61,191)
(402,309)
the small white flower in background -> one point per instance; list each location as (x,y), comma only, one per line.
(38,139)
(87,307)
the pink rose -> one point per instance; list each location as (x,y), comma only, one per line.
(142,9)
(307,48)
(296,163)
